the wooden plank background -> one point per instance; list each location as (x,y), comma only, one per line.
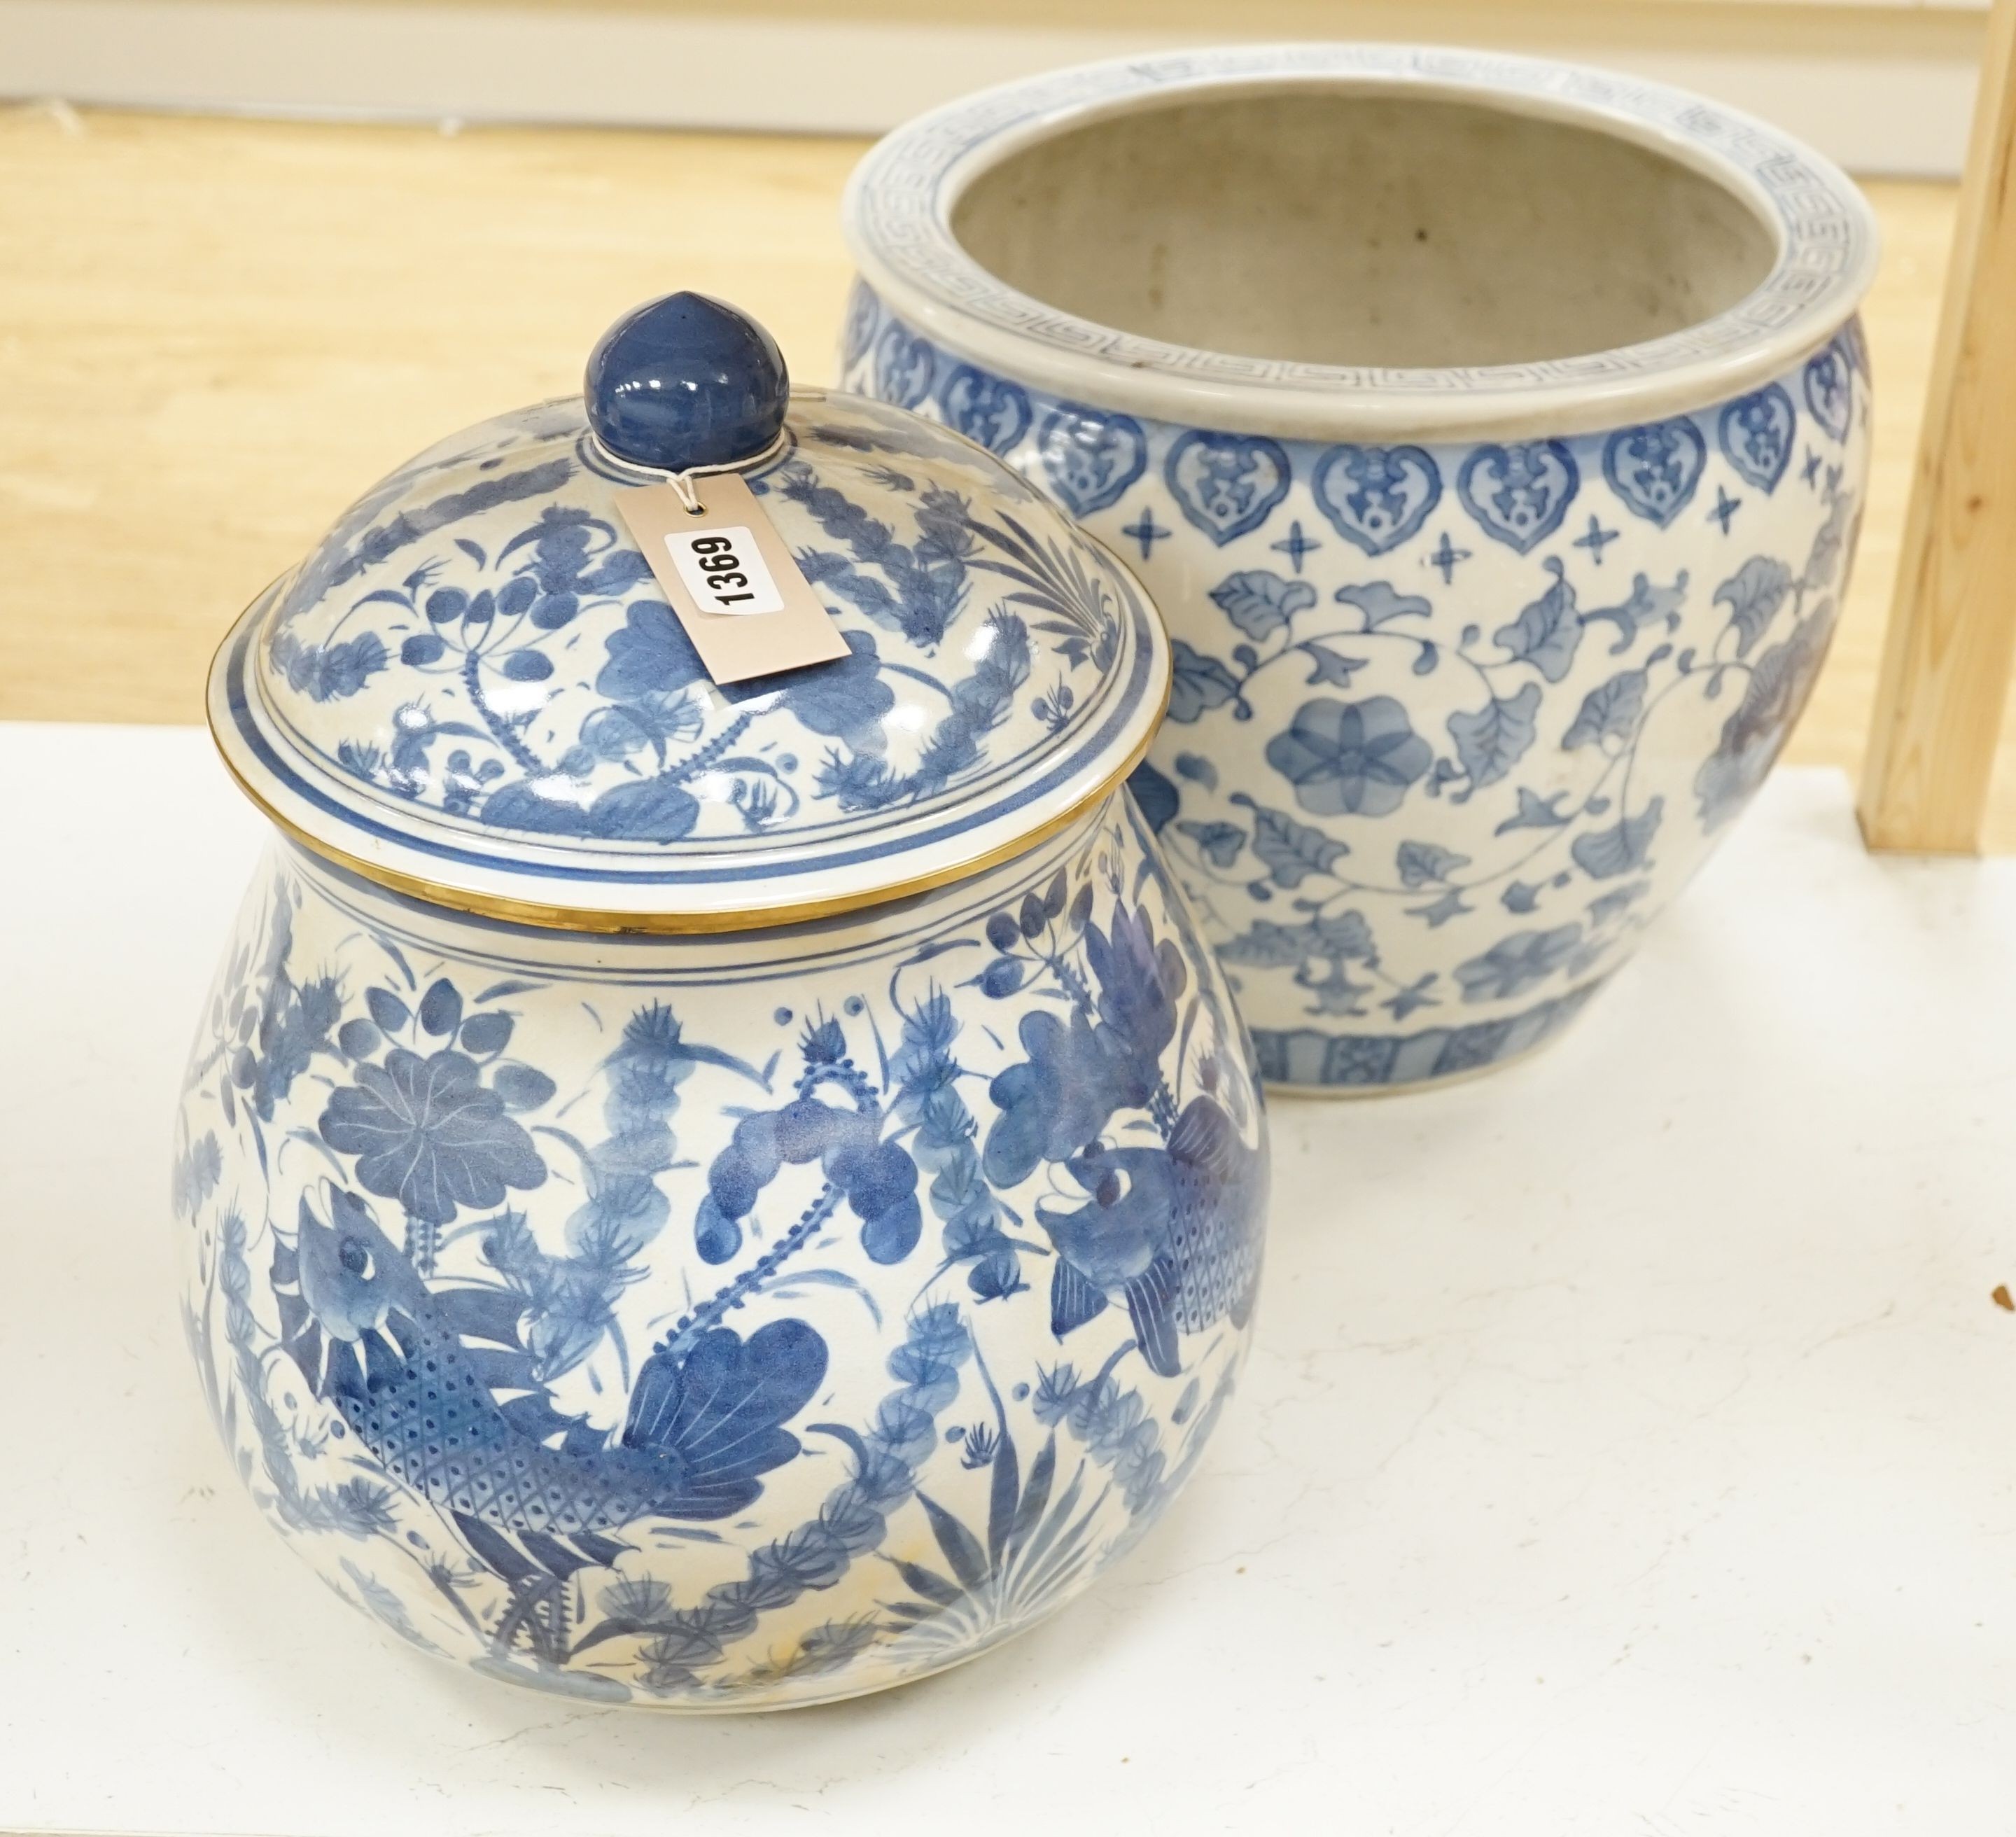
(1942,688)
(229,328)
(1882,87)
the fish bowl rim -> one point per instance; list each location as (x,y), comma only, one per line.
(897,218)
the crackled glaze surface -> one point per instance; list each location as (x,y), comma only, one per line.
(476,680)
(1451,722)
(714,1324)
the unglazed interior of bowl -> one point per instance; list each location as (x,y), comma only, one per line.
(1354,228)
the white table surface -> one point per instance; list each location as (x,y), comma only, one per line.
(1629,1448)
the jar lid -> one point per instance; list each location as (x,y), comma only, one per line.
(475,690)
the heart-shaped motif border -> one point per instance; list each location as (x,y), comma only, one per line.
(1226,484)
(1654,467)
(1090,457)
(1531,482)
(1376,497)
(1755,434)
(985,407)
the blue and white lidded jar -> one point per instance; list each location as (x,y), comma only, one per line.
(1492,433)
(710,1197)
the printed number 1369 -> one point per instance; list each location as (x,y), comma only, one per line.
(724,571)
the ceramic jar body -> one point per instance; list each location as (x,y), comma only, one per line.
(1498,494)
(1452,722)
(732,1322)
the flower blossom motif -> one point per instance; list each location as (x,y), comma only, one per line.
(1355,758)
(652,657)
(1077,1073)
(428,1134)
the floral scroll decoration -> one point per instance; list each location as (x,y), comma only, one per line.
(1006,1123)
(487,647)
(1348,754)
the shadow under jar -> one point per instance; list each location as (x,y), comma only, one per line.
(711,1197)
(1492,434)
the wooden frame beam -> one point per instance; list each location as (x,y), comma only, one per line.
(1946,657)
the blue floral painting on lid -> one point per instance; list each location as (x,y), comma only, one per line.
(479,649)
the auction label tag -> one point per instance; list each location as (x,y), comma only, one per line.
(726,573)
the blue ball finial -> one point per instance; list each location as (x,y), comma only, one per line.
(685,381)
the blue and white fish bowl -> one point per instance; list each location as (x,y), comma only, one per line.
(710,1197)
(1491,433)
